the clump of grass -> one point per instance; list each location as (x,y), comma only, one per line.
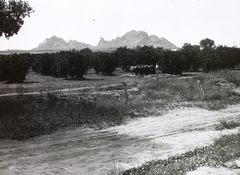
(114,170)
(224,124)
(173,90)
(223,150)
(222,76)
(229,75)
(213,105)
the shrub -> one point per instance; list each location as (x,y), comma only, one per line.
(45,64)
(105,63)
(14,68)
(171,62)
(30,116)
(72,63)
(224,124)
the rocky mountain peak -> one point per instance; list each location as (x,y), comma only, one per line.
(57,43)
(102,42)
(131,39)
(135,38)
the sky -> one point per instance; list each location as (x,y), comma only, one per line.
(179,21)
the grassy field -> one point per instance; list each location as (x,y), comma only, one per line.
(100,102)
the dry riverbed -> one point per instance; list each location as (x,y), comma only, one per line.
(87,151)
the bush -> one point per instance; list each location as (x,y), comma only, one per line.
(14,68)
(45,64)
(223,124)
(171,62)
(105,63)
(65,63)
(72,63)
(34,115)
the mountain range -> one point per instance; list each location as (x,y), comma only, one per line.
(130,39)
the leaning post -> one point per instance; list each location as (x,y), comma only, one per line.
(126,94)
(200,89)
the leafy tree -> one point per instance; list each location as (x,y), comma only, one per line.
(12,14)
(227,57)
(4,65)
(105,63)
(171,62)
(73,64)
(147,55)
(14,68)
(45,64)
(223,57)
(124,56)
(207,55)
(235,56)
(89,55)
(207,43)
(191,57)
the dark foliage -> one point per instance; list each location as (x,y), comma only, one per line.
(192,61)
(105,62)
(45,64)
(72,63)
(24,117)
(65,63)
(171,62)
(12,14)
(14,68)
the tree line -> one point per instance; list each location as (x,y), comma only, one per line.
(75,64)
(13,68)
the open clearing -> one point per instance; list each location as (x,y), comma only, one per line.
(80,150)
(87,151)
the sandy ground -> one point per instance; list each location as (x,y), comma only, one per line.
(80,151)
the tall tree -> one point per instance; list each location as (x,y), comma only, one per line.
(124,56)
(73,64)
(147,55)
(207,55)
(191,57)
(171,62)
(12,14)
(104,62)
(207,43)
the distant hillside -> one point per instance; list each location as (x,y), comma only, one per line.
(56,43)
(136,38)
(130,39)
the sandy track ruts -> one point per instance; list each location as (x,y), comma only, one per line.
(86,151)
(89,89)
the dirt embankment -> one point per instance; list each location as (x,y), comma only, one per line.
(86,151)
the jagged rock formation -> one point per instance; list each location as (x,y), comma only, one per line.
(56,43)
(137,38)
(130,39)
(73,44)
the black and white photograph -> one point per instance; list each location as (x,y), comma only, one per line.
(120,87)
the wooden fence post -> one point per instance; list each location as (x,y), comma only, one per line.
(201,92)
(126,94)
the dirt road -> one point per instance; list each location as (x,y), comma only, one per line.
(86,151)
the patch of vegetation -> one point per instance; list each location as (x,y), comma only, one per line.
(224,124)
(225,78)
(27,116)
(223,150)
(179,90)
(24,117)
